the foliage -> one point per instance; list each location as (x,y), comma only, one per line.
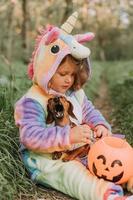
(118,71)
(12,172)
(13,81)
(120,77)
(111,21)
(92,85)
(124,107)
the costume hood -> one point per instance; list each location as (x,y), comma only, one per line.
(52,46)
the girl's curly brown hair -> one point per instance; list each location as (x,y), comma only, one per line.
(82,73)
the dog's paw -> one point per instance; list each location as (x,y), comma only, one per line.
(130,185)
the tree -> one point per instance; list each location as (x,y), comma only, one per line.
(24,29)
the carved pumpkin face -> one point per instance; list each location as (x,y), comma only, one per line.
(111,158)
(115,168)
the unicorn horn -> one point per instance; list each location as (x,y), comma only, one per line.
(68,26)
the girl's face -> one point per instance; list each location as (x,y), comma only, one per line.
(64,77)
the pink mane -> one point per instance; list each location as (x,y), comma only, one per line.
(38,39)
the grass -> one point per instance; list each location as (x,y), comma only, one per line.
(91,88)
(12,171)
(13,177)
(120,79)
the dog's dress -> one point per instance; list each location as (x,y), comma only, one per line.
(39,140)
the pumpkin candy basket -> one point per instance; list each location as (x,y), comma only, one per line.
(111,158)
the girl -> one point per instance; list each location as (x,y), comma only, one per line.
(60,66)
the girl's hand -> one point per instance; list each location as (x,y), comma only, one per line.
(80,134)
(101,131)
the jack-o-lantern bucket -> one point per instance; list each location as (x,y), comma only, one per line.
(111,158)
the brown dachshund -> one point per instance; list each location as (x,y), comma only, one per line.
(59,109)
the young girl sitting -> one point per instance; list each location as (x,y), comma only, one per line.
(60,66)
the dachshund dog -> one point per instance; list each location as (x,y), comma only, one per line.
(59,109)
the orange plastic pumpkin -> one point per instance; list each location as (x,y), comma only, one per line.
(111,158)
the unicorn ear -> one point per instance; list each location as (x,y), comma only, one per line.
(52,35)
(68,26)
(82,38)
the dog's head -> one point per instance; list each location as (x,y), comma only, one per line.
(58,108)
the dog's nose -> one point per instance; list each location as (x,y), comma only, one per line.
(56,99)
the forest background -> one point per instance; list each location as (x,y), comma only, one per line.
(111,21)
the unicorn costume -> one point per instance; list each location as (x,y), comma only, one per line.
(39,140)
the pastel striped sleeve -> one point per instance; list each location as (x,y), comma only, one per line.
(91,115)
(34,134)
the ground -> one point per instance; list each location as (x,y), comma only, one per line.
(103,103)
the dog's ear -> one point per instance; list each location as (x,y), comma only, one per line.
(70,110)
(49,118)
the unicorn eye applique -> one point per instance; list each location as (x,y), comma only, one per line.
(55,49)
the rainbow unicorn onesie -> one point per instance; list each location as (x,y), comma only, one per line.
(39,140)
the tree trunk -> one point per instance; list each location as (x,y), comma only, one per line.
(24,31)
(102,55)
(68,10)
(9,46)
